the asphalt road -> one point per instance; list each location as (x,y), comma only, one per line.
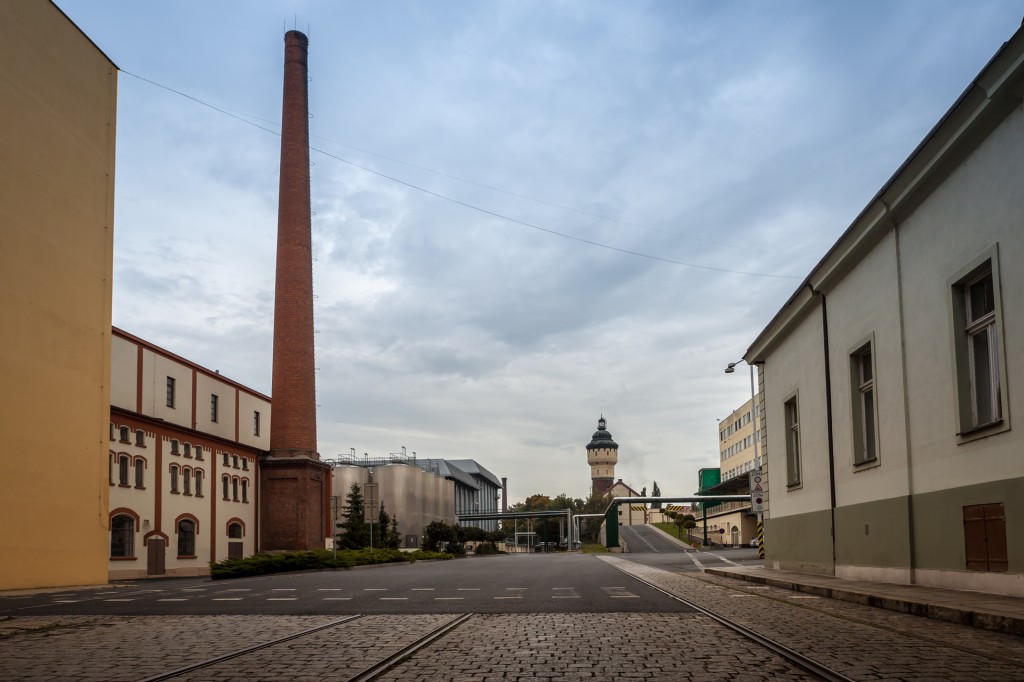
(649,546)
(516,583)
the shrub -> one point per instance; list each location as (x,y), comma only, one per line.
(265,564)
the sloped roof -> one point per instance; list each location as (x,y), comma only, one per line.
(471,466)
(449,470)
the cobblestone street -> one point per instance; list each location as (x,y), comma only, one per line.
(861,642)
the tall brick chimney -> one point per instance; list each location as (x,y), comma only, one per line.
(294,484)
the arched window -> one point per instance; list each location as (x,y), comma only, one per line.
(224,480)
(187,477)
(122,536)
(124,434)
(186,538)
(140,437)
(245,490)
(235,531)
(199,482)
(140,473)
(122,470)
(174,478)
(234,489)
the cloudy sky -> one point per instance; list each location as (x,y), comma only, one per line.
(527,213)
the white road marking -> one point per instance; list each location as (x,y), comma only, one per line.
(803,596)
(742,595)
(623,596)
(514,589)
(719,556)
(565,596)
(375,589)
(516,597)
(277,589)
(282,598)
(227,599)
(66,601)
(175,599)
(467,589)
(243,589)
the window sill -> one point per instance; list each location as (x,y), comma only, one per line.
(794,486)
(140,445)
(124,558)
(187,556)
(975,430)
(140,487)
(175,492)
(123,485)
(866,464)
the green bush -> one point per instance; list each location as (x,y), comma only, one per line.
(265,564)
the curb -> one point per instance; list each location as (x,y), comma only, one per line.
(986,620)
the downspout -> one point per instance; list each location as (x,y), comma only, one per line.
(908,445)
(828,420)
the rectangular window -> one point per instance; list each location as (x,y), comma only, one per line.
(187,487)
(170,392)
(140,474)
(865,415)
(792,442)
(174,479)
(255,423)
(213,407)
(978,352)
(199,483)
(122,471)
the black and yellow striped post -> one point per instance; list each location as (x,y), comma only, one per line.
(760,539)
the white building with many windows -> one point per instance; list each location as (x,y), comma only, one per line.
(183,463)
(891,375)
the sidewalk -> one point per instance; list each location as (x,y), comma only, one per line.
(997,612)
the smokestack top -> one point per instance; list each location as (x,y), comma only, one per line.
(296,38)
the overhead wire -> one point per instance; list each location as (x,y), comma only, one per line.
(473,207)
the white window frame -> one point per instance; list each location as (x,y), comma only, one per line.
(791,424)
(862,391)
(965,326)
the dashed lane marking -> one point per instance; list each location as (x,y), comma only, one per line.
(329,589)
(227,599)
(282,598)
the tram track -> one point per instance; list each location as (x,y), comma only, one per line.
(367,674)
(791,655)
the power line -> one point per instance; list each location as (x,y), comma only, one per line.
(464,204)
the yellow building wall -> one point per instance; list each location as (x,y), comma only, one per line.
(59,95)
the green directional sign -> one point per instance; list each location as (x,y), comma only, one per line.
(708,478)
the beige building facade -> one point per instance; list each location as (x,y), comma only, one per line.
(739,436)
(59,94)
(183,463)
(907,338)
